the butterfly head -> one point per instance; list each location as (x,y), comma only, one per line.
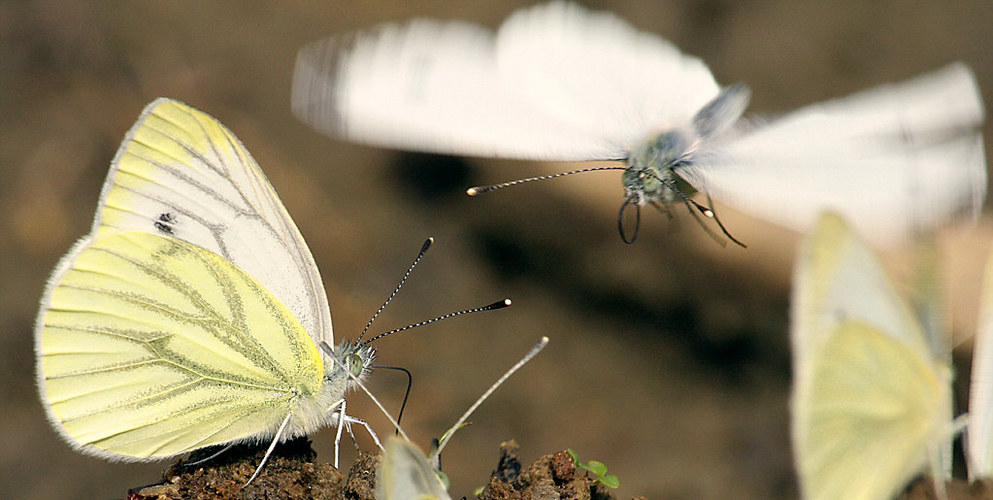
(650,176)
(349,360)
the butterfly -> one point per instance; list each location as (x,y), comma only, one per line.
(872,402)
(558,82)
(193,313)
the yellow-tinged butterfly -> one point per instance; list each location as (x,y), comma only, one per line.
(192,314)
(872,393)
(558,82)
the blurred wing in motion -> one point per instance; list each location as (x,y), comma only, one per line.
(893,160)
(557,82)
(979,442)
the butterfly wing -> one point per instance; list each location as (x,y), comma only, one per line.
(181,173)
(151,347)
(979,445)
(866,385)
(893,159)
(405,473)
(556,83)
(595,71)
(874,404)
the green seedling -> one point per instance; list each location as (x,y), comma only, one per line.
(598,469)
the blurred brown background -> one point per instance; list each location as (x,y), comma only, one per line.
(669,358)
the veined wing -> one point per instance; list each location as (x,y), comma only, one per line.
(151,347)
(181,173)
(894,159)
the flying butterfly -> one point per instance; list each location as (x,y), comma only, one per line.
(558,82)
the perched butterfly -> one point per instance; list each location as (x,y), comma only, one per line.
(872,392)
(193,313)
(558,82)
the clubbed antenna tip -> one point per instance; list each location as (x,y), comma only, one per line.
(498,305)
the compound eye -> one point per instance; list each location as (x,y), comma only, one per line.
(354,363)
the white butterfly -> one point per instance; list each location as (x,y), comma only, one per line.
(557,82)
(193,313)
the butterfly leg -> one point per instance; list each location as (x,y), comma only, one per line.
(354,420)
(268,452)
(345,421)
(338,424)
(210,457)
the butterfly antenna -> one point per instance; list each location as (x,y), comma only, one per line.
(713,215)
(496,305)
(406,395)
(420,255)
(451,431)
(473,191)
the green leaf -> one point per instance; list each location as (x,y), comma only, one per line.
(575,459)
(611,481)
(596,467)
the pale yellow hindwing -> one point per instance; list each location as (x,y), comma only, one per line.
(152,347)
(875,403)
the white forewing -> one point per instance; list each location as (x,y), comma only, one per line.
(557,83)
(979,445)
(893,159)
(595,71)
(180,173)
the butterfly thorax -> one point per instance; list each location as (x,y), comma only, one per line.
(650,176)
(349,362)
